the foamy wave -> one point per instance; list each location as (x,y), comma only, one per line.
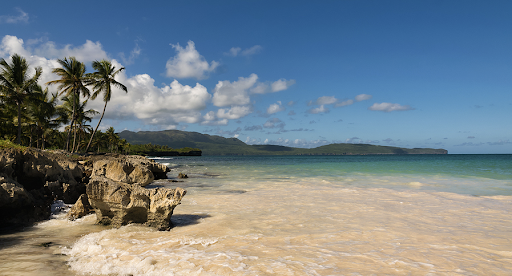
(119,251)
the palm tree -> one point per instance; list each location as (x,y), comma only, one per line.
(16,84)
(112,138)
(72,107)
(42,110)
(72,80)
(102,81)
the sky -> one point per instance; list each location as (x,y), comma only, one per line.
(413,74)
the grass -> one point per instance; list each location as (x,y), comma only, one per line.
(6,144)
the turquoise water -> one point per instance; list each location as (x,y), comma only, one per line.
(299,215)
(463,174)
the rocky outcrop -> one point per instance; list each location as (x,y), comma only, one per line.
(81,208)
(31,180)
(117,203)
(130,169)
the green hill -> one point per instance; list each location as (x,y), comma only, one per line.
(217,145)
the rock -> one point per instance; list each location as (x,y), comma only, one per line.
(117,203)
(130,169)
(81,208)
(20,207)
(31,179)
(182,175)
(35,169)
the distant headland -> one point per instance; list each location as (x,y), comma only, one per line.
(204,144)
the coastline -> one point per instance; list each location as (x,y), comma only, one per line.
(323,215)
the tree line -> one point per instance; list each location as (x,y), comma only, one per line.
(32,116)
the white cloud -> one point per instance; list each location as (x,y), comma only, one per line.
(317,110)
(45,54)
(260,88)
(274,108)
(235,112)
(13,19)
(344,103)
(363,97)
(281,84)
(233,93)
(88,52)
(251,51)
(326,100)
(188,63)
(235,51)
(388,107)
(12,45)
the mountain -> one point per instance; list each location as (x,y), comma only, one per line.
(217,145)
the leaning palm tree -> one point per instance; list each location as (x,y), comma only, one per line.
(102,81)
(73,80)
(16,84)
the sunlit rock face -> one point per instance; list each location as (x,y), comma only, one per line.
(117,203)
(130,169)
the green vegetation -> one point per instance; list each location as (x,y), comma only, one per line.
(31,116)
(5,144)
(158,150)
(216,145)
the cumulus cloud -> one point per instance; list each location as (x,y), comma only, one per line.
(44,54)
(281,84)
(235,112)
(388,107)
(164,106)
(235,51)
(88,52)
(233,93)
(274,108)
(22,17)
(188,63)
(317,110)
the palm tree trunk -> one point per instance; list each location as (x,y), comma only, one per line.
(94,132)
(74,136)
(19,124)
(71,125)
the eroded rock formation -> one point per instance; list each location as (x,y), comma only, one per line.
(31,180)
(117,203)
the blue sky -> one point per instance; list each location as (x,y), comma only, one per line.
(411,74)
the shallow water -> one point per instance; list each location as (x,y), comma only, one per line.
(353,215)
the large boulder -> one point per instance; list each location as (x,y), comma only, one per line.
(80,208)
(117,203)
(130,169)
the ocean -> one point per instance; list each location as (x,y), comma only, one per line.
(297,215)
